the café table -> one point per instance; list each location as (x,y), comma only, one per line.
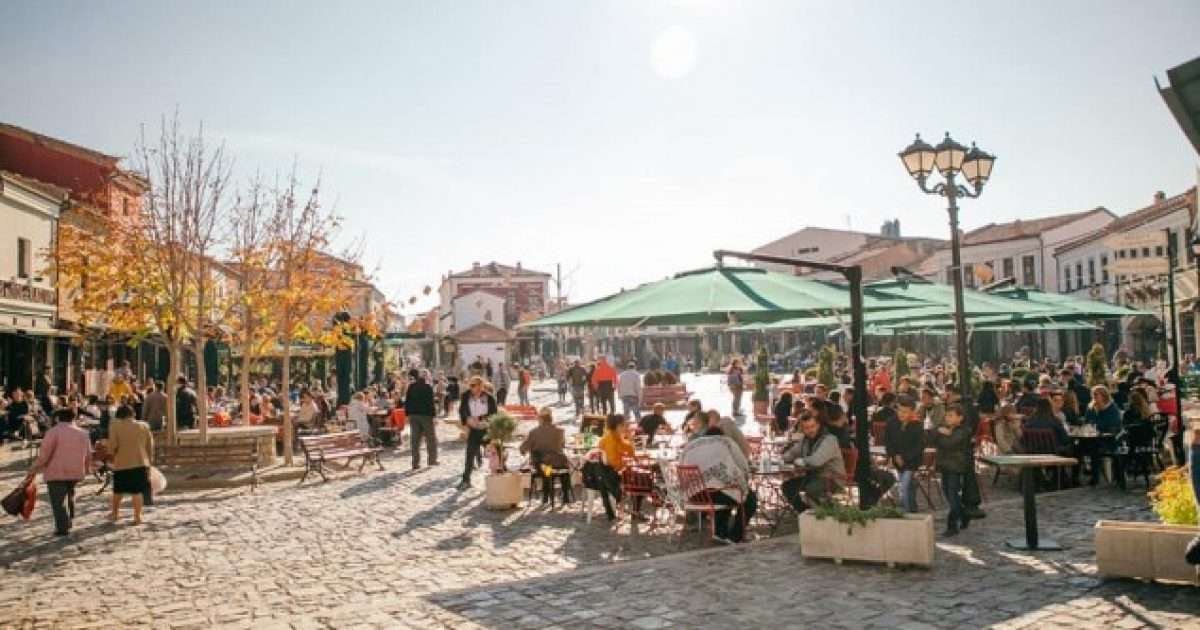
(767,481)
(1027,464)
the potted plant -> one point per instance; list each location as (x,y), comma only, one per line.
(825,360)
(762,382)
(503,487)
(1153,550)
(900,367)
(880,534)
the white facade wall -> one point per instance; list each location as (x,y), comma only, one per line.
(26,214)
(477,307)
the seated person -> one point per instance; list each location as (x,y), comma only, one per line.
(544,445)
(653,424)
(615,447)
(819,465)
(1043,420)
(1006,426)
(718,425)
(726,473)
(783,409)
(695,422)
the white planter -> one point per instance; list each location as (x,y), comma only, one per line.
(1149,551)
(889,541)
(503,491)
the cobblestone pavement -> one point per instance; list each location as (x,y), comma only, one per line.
(404,549)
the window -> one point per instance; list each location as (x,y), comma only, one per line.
(24,257)
(1120,253)
(969,275)
(1028,274)
(1133,253)
(1104,268)
(1145,252)
(1091,271)
(1079,274)
(1067,279)
(1158,251)
(1008,267)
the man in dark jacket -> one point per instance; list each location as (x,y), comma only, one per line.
(185,405)
(952,441)
(475,408)
(418,406)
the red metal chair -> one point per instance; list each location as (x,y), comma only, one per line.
(637,484)
(878,433)
(697,497)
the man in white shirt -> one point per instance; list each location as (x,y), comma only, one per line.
(629,389)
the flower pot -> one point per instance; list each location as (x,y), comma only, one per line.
(1151,551)
(889,541)
(503,491)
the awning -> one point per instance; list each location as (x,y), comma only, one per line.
(1182,97)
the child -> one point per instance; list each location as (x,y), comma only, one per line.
(905,442)
(952,441)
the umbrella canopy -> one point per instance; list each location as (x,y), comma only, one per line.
(947,327)
(720,295)
(1055,304)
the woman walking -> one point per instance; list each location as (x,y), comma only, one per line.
(131,445)
(735,378)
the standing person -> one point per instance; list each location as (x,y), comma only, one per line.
(132,448)
(41,390)
(1193,548)
(904,440)
(735,378)
(577,378)
(418,405)
(524,381)
(952,440)
(592,396)
(356,413)
(474,410)
(629,388)
(503,380)
(154,409)
(64,461)
(604,379)
(185,405)
(560,379)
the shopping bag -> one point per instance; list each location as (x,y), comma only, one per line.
(158,481)
(30,500)
(14,502)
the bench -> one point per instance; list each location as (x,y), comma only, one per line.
(319,449)
(224,455)
(670,396)
(521,413)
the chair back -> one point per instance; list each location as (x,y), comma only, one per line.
(1140,435)
(878,433)
(637,481)
(691,484)
(1038,442)
(850,460)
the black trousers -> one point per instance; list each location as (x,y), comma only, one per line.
(736,530)
(475,440)
(501,395)
(813,487)
(608,402)
(62,503)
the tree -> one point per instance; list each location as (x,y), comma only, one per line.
(307,285)
(825,361)
(900,363)
(252,260)
(150,273)
(1097,366)
(762,376)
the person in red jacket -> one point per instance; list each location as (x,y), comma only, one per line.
(604,380)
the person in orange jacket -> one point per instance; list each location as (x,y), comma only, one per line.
(604,380)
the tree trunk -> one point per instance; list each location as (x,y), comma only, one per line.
(244,393)
(199,344)
(285,389)
(175,352)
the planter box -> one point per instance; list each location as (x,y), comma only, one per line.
(889,541)
(503,491)
(1150,551)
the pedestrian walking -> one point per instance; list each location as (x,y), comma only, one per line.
(629,388)
(577,378)
(132,446)
(418,406)
(63,462)
(524,381)
(503,380)
(605,381)
(475,408)
(736,380)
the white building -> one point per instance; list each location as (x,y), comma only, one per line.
(1125,262)
(477,307)
(29,211)
(1022,250)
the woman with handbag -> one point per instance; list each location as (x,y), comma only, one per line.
(132,447)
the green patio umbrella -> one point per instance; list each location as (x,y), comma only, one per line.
(721,295)
(1067,306)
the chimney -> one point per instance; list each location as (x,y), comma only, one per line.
(1159,196)
(475,265)
(518,265)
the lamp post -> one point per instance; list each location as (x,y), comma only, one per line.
(952,159)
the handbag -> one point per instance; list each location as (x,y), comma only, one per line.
(14,502)
(158,481)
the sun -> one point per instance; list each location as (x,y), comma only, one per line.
(673,55)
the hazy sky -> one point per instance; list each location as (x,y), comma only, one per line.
(626,140)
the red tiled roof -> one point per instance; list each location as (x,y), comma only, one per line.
(494,269)
(1022,228)
(1134,219)
(481,333)
(63,145)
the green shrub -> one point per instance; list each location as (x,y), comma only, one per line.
(1097,366)
(762,376)
(825,361)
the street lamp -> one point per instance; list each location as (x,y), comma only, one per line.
(952,159)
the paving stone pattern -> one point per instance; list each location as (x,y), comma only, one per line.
(403,549)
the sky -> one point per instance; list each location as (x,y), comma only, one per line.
(624,140)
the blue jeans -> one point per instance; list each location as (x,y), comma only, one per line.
(952,484)
(631,407)
(908,491)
